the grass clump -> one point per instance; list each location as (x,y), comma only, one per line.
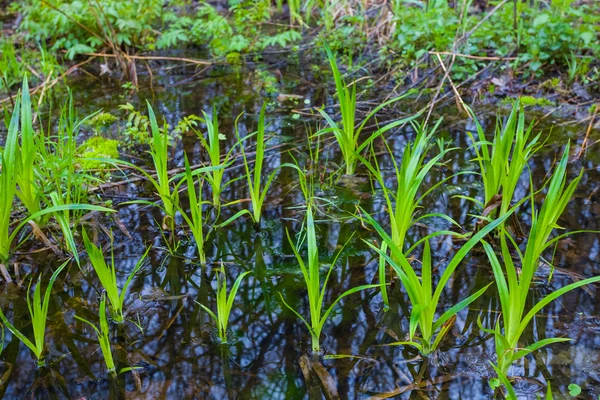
(18,172)
(503,161)
(403,204)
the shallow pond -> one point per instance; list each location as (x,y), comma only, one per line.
(174,340)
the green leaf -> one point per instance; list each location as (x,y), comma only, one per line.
(587,37)
(574,389)
(456,308)
(537,345)
(511,392)
(540,20)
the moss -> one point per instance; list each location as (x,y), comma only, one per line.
(530,101)
(103,119)
(535,101)
(97,147)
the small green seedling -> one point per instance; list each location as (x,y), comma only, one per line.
(38,312)
(108,277)
(224,302)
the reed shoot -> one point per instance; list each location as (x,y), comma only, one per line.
(159,151)
(103,335)
(424,298)
(107,275)
(514,283)
(28,190)
(315,286)
(403,204)
(8,185)
(195,220)
(503,161)
(254,175)
(212,145)
(347,133)
(38,312)
(224,302)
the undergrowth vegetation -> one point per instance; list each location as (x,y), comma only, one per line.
(533,39)
(360,187)
(37,189)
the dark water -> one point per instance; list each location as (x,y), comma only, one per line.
(174,341)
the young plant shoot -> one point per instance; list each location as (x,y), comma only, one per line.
(108,277)
(103,335)
(503,161)
(195,219)
(514,283)
(403,204)
(38,312)
(254,174)
(212,145)
(347,133)
(224,302)
(316,287)
(424,298)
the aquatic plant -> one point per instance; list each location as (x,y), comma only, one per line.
(166,186)
(403,204)
(348,134)
(163,184)
(312,279)
(8,187)
(195,220)
(8,191)
(62,163)
(502,161)
(38,312)
(212,145)
(28,190)
(224,302)
(254,175)
(107,275)
(159,151)
(60,167)
(424,299)
(103,335)
(513,289)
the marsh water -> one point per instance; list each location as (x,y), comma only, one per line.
(174,341)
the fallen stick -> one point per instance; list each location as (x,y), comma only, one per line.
(584,145)
(45,86)
(156,58)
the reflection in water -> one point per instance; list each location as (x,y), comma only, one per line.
(173,340)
